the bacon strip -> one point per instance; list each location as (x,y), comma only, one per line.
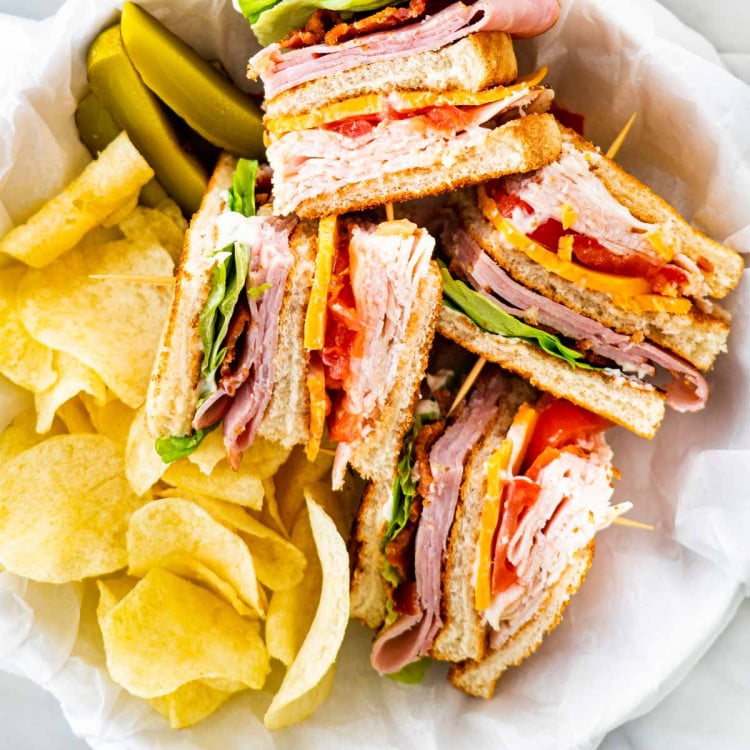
(688,389)
(411,636)
(281,71)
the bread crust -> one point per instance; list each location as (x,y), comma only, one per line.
(638,407)
(473,63)
(521,145)
(478,677)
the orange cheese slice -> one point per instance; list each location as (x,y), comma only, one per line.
(315,318)
(570,270)
(653,303)
(402,101)
(520,432)
(497,472)
(316,387)
(656,241)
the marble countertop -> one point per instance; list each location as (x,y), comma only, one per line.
(707,711)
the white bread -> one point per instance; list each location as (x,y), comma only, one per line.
(463,634)
(478,677)
(636,406)
(287,417)
(696,336)
(722,267)
(521,145)
(375,455)
(173,389)
(473,63)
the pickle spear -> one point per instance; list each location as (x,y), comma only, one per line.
(97,130)
(135,109)
(190,86)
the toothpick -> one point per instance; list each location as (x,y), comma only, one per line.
(466,385)
(615,147)
(389,212)
(134,278)
(620,521)
(327,451)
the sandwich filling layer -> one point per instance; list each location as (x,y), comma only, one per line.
(356,330)
(596,344)
(321,160)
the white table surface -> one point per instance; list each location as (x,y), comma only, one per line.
(709,710)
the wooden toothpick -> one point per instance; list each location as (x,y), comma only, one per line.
(466,385)
(620,521)
(134,278)
(615,147)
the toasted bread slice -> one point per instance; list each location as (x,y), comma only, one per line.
(478,677)
(473,63)
(463,635)
(520,145)
(636,406)
(173,390)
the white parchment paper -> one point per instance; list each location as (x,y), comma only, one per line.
(653,601)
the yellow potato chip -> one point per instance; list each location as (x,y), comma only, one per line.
(241,487)
(290,482)
(152,224)
(13,401)
(191,703)
(170,209)
(262,458)
(269,514)
(64,509)
(74,416)
(112,591)
(143,465)
(21,434)
(112,327)
(309,679)
(278,563)
(73,377)
(103,186)
(22,359)
(341,506)
(171,533)
(112,419)
(168,632)
(122,211)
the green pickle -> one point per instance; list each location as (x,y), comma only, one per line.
(135,109)
(97,130)
(190,86)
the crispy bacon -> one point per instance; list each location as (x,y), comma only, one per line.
(229,380)
(313,32)
(387,18)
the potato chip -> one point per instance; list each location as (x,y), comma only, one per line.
(103,187)
(168,632)
(262,458)
(170,209)
(177,531)
(64,509)
(74,416)
(191,703)
(21,435)
(122,211)
(341,506)
(13,401)
(112,591)
(112,419)
(309,679)
(278,563)
(292,479)
(143,465)
(112,327)
(73,377)
(241,487)
(269,514)
(22,359)
(151,224)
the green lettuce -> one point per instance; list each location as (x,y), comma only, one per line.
(172,448)
(242,192)
(412,674)
(273,19)
(489,317)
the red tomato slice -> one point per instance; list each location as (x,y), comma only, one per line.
(592,254)
(354,127)
(548,234)
(506,202)
(560,424)
(519,495)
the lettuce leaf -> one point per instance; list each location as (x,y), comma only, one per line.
(412,674)
(271,20)
(242,192)
(489,317)
(172,448)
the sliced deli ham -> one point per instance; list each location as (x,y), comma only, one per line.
(281,71)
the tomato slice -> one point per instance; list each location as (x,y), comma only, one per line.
(560,424)
(520,494)
(355,127)
(507,203)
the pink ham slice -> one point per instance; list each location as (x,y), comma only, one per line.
(244,393)
(411,636)
(281,71)
(688,389)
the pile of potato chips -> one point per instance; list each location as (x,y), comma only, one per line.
(204,574)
